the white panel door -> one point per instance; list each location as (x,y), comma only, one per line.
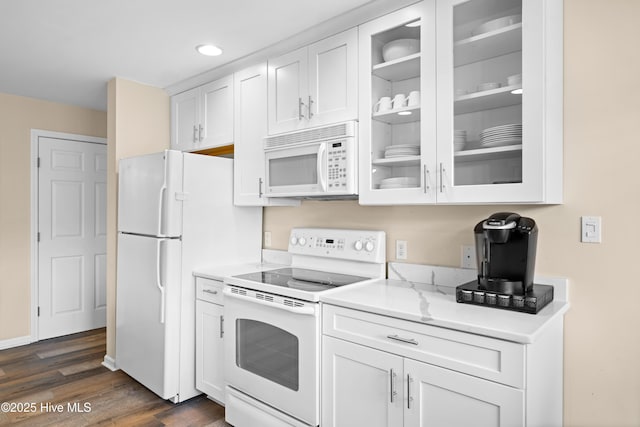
(288,92)
(333,79)
(361,386)
(72,200)
(149,194)
(148,311)
(441,397)
(185,108)
(216,117)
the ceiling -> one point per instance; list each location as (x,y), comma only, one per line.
(67,50)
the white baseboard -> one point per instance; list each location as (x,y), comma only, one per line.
(15,342)
(109,363)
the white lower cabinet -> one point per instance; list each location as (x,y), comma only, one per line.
(209,338)
(383,371)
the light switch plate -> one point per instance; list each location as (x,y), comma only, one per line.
(591,229)
(267,239)
(401,249)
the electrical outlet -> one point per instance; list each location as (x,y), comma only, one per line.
(468,259)
(401,249)
(267,239)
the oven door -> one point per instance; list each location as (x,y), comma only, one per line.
(272,350)
(296,171)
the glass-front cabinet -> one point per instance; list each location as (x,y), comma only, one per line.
(488,123)
(398,107)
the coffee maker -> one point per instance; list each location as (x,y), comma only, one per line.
(506,255)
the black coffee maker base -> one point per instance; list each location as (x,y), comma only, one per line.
(531,302)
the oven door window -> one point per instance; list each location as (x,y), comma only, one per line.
(268,351)
(295,170)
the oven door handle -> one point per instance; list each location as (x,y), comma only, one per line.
(306,310)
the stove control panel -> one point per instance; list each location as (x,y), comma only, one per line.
(356,245)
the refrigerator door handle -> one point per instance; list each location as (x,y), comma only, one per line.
(159,278)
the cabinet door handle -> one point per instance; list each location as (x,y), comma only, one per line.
(300,105)
(310,114)
(195,132)
(260,187)
(392,379)
(409,398)
(405,340)
(200,133)
(425,174)
(221,326)
(441,177)
(210,291)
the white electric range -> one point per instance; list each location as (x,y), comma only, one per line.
(272,322)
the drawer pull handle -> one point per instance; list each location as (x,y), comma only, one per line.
(210,291)
(405,340)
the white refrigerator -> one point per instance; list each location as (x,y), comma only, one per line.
(175,214)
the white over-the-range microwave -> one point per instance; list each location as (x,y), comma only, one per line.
(314,163)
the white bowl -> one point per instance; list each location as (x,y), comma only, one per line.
(496,24)
(488,86)
(399,48)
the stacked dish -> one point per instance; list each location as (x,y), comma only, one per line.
(496,24)
(401,150)
(399,182)
(459,139)
(498,136)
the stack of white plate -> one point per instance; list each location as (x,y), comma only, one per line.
(401,150)
(498,136)
(459,139)
(399,182)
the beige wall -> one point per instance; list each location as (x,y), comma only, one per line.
(601,148)
(139,123)
(18,116)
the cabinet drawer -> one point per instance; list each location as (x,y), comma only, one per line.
(209,290)
(483,357)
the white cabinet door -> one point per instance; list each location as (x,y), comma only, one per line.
(440,397)
(250,113)
(209,350)
(185,109)
(202,117)
(216,113)
(288,92)
(398,154)
(314,85)
(360,386)
(500,101)
(333,79)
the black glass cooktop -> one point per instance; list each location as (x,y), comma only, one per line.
(302,279)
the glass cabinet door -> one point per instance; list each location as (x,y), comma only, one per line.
(397,107)
(490,101)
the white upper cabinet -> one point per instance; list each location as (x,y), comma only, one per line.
(203,117)
(314,85)
(250,113)
(490,131)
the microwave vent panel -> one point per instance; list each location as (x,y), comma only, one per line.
(341,130)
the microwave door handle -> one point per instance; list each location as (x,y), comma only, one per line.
(322,165)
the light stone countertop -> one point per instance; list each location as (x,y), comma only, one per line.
(436,305)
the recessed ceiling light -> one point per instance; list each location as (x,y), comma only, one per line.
(517,91)
(404,113)
(209,50)
(413,24)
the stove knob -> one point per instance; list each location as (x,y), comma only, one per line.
(293,240)
(357,245)
(369,246)
(302,241)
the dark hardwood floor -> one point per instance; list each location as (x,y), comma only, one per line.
(61,382)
